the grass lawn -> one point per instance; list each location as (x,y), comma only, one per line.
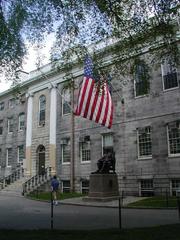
(47,195)
(169,232)
(155,202)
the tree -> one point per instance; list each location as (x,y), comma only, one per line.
(136,24)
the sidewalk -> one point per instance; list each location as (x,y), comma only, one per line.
(115,203)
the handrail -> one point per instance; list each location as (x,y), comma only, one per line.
(14,176)
(37,180)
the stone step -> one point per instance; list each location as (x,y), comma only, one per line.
(15,186)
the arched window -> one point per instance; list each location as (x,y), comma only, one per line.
(42,110)
(66,102)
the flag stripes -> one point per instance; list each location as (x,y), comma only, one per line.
(94,101)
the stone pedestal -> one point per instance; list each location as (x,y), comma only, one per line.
(103,187)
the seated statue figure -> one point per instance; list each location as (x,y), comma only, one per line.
(106,163)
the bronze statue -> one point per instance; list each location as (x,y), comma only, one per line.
(106,163)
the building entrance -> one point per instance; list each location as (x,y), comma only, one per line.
(41,160)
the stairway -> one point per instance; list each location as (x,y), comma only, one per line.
(15,188)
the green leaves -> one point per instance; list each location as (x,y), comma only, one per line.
(79,23)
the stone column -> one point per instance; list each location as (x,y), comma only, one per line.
(52,128)
(28,164)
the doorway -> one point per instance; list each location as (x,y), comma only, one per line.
(41,160)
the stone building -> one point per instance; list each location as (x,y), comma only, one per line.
(37,131)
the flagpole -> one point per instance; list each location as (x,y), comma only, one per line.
(72,137)
(116,91)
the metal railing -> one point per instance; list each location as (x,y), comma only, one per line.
(36,181)
(11,178)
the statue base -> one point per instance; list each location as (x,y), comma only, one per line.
(103,187)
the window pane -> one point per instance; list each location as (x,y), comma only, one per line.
(175,186)
(1,127)
(107,143)
(147,187)
(85,186)
(1,106)
(174,137)
(11,102)
(107,140)
(0,157)
(141,80)
(21,121)
(145,141)
(42,109)
(66,186)
(9,157)
(10,125)
(20,153)
(169,74)
(66,102)
(85,151)
(66,150)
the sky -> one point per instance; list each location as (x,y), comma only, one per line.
(30,63)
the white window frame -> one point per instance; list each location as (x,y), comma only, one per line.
(169,153)
(86,188)
(18,154)
(41,123)
(81,151)
(141,157)
(150,190)
(171,186)
(7,157)
(102,139)
(62,151)
(1,126)
(0,157)
(69,188)
(1,106)
(135,92)
(20,121)
(66,93)
(162,74)
(9,119)
(11,103)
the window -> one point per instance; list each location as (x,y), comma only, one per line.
(11,103)
(20,154)
(107,143)
(175,186)
(66,102)
(42,110)
(66,186)
(10,125)
(8,157)
(141,79)
(174,138)
(21,121)
(85,186)
(169,75)
(85,152)
(0,158)
(1,106)
(147,188)
(66,150)
(144,142)
(1,127)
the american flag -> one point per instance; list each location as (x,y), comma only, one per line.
(94,100)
